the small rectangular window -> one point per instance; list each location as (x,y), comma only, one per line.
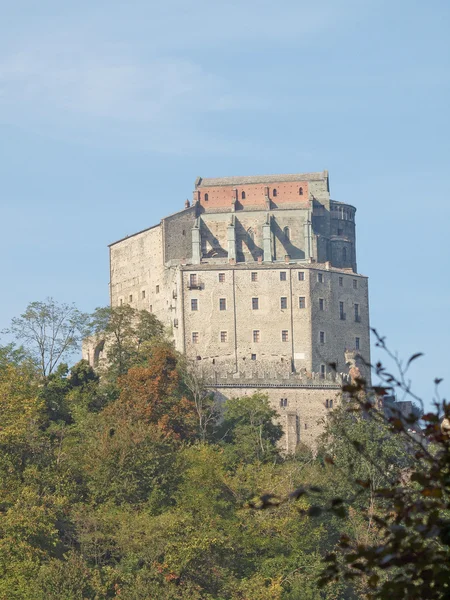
(194,304)
(256,335)
(357,315)
(301,276)
(221,277)
(195,337)
(193,279)
(322,337)
(357,343)
(120,302)
(157,289)
(341,281)
(302,302)
(285,335)
(223,336)
(322,371)
(283,302)
(254,276)
(131,298)
(143,294)
(321,304)
(151,308)
(282,275)
(222,304)
(253,356)
(320,277)
(355,284)
(283,402)
(341,311)
(255,303)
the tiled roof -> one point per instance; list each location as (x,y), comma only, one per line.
(217,181)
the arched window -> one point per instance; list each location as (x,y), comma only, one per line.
(274,193)
(300,191)
(243,195)
(344,254)
(206,198)
(287,233)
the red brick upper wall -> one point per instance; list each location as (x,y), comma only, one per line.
(280,193)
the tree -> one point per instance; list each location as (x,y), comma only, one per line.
(409,559)
(248,431)
(128,332)
(153,394)
(207,408)
(50,332)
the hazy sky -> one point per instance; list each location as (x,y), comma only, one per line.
(109,111)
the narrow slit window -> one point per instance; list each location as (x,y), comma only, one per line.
(300,191)
(274,193)
(287,234)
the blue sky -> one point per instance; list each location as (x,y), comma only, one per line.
(110,110)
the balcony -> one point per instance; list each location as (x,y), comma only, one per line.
(197,285)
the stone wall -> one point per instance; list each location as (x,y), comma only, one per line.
(303,414)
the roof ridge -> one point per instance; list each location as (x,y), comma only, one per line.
(249,179)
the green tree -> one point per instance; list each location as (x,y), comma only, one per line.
(50,332)
(128,332)
(248,431)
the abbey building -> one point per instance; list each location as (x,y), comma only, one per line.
(257,280)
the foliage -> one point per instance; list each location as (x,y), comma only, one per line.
(249,431)
(50,332)
(410,555)
(129,333)
(131,486)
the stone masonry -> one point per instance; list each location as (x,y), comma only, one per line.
(257,282)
